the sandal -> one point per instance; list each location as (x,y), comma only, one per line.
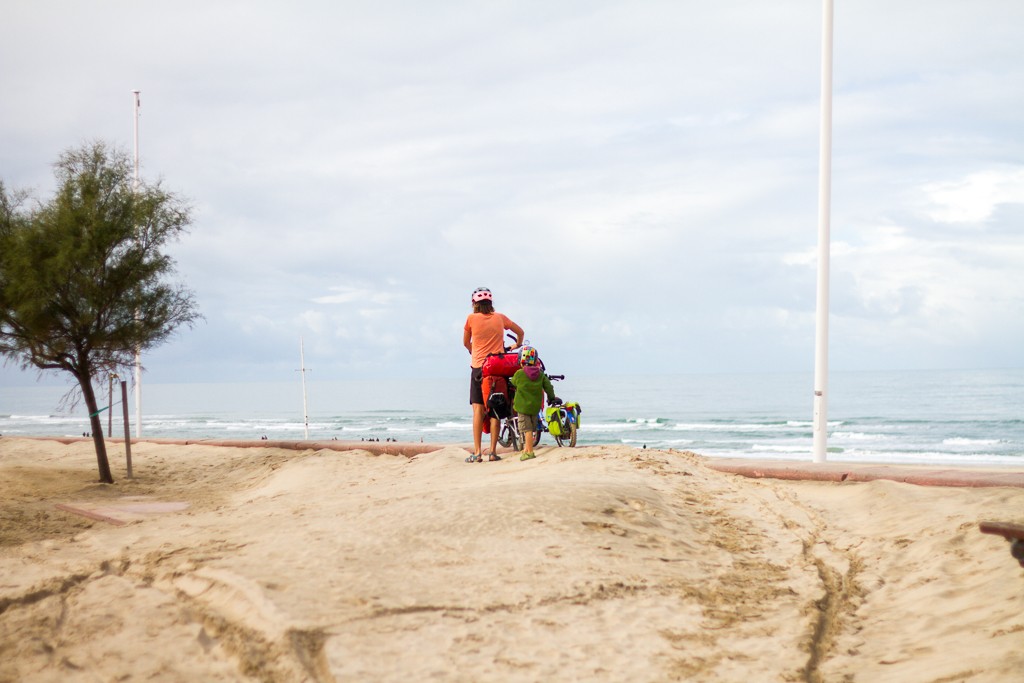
(527,456)
(476,457)
(493,456)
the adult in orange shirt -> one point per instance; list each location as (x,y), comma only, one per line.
(484,333)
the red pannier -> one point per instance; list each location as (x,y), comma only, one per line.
(496,400)
(501,365)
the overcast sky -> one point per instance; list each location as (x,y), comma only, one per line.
(635,181)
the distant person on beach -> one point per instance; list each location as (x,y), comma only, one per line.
(484,334)
(531,384)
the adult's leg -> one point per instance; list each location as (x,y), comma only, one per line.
(478,426)
(476,400)
(495,426)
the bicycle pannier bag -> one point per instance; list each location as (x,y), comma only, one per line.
(501,365)
(495,390)
(555,416)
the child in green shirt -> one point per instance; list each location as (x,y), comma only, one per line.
(531,384)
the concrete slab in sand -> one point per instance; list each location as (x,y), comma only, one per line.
(834,471)
(122,511)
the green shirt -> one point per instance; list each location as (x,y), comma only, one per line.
(530,393)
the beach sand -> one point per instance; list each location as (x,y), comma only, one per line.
(588,564)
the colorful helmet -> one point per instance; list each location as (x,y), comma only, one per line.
(482,294)
(528,356)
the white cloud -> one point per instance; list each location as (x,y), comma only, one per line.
(347,294)
(972,199)
(644,172)
(894,286)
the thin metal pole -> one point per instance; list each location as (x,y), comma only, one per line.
(820,428)
(305,403)
(135,97)
(127,429)
(138,352)
(110,407)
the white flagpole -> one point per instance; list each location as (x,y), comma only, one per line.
(305,403)
(820,429)
(138,353)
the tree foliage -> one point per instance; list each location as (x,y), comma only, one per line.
(83,277)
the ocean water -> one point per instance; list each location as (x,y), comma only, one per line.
(923,417)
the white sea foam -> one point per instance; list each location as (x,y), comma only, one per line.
(761,448)
(858,436)
(645,420)
(963,441)
(735,427)
(454,425)
(612,427)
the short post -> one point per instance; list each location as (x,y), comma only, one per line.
(127,428)
(110,406)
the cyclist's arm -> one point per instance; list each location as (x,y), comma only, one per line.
(518,332)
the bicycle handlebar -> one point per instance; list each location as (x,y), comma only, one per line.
(553,378)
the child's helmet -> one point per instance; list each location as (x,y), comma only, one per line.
(482,294)
(528,356)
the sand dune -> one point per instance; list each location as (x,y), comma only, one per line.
(596,564)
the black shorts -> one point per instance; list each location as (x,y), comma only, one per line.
(476,386)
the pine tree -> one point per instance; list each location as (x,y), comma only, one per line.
(83,276)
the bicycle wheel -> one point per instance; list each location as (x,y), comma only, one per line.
(509,434)
(504,433)
(567,437)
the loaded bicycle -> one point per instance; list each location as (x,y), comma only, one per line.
(509,433)
(560,420)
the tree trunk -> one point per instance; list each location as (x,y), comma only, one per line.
(97,430)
